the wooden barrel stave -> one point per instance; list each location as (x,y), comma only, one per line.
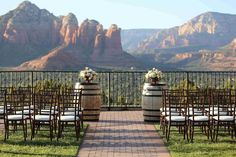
(152,101)
(91,101)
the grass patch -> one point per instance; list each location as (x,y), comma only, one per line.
(67,146)
(201,147)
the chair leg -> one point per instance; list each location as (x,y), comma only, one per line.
(82,122)
(51,126)
(55,124)
(23,127)
(208,131)
(160,122)
(168,132)
(163,128)
(213,130)
(32,129)
(234,130)
(77,128)
(229,129)
(186,130)
(59,130)
(192,133)
(166,129)
(179,128)
(14,126)
(217,131)
(6,130)
(26,126)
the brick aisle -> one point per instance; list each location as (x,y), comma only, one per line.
(122,134)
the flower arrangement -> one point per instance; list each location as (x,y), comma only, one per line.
(154,75)
(88,74)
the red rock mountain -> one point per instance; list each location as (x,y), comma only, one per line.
(231,47)
(208,30)
(37,39)
(206,42)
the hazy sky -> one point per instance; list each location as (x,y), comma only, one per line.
(131,13)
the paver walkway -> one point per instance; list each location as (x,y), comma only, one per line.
(122,134)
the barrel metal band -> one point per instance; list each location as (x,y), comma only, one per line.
(90,94)
(91,115)
(150,109)
(89,109)
(151,115)
(155,90)
(152,95)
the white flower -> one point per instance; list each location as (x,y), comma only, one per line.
(88,74)
(153,74)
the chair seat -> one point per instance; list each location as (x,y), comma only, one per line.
(222,113)
(71,113)
(196,113)
(17,117)
(191,109)
(167,109)
(42,117)
(168,113)
(1,111)
(68,118)
(2,106)
(199,118)
(72,109)
(27,107)
(25,112)
(176,118)
(47,111)
(231,109)
(224,118)
(215,109)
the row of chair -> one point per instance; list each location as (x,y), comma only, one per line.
(50,107)
(208,109)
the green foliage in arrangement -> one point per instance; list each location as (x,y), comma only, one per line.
(201,147)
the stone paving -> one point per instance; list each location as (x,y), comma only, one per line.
(122,134)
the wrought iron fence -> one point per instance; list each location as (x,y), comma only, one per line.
(121,88)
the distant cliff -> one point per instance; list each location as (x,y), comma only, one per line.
(206,42)
(36,39)
(208,30)
(131,38)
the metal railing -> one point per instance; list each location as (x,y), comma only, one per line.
(120,88)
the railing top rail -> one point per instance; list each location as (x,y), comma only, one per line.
(117,71)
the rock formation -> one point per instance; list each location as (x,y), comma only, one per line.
(69,29)
(210,29)
(43,41)
(202,43)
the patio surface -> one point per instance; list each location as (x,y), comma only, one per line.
(122,134)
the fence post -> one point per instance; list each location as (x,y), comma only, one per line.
(32,80)
(188,80)
(109,91)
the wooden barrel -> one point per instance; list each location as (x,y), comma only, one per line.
(91,100)
(152,101)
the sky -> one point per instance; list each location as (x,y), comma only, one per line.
(130,14)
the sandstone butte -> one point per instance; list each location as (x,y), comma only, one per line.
(67,44)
